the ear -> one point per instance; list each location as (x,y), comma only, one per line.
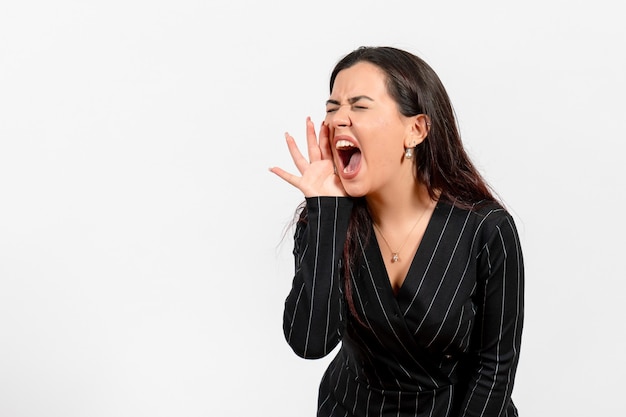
(418,130)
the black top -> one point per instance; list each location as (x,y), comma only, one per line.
(447,344)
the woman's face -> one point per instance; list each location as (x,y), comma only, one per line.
(368,133)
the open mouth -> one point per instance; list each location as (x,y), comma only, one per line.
(349,156)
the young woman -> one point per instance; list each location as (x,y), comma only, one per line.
(402,253)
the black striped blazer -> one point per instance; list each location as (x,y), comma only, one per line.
(446,345)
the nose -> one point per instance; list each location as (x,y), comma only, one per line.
(340,117)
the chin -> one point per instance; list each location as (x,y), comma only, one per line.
(353,191)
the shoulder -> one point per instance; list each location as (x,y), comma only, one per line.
(483,220)
(491,214)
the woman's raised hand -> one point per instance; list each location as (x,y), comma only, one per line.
(318,176)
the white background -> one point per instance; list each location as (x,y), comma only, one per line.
(142,262)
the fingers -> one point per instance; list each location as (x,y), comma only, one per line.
(311,141)
(316,174)
(318,151)
(290,178)
(296,155)
(325,142)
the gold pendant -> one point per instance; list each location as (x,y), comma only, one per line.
(395,258)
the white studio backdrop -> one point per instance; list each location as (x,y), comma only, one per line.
(145,252)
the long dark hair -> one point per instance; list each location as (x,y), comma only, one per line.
(441,163)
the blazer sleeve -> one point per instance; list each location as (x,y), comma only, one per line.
(314,308)
(496,338)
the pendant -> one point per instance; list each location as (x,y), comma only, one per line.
(395,258)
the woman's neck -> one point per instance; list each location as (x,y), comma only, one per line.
(396,208)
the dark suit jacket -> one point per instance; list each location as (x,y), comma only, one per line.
(447,344)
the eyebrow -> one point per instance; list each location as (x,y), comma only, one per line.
(351,100)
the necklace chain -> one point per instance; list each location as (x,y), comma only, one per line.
(395,255)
